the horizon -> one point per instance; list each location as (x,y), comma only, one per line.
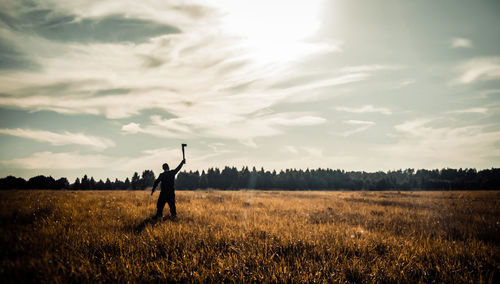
(257,169)
(109,88)
(291,179)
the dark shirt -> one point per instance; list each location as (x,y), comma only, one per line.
(167,179)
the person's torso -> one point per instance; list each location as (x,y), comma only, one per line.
(167,180)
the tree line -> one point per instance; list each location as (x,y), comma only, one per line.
(85,183)
(230,178)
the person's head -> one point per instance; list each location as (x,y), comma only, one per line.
(165,167)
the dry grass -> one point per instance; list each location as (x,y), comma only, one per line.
(64,236)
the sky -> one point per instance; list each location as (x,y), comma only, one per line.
(107,88)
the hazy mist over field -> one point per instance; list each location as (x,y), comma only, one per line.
(107,88)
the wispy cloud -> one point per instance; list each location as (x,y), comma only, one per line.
(193,73)
(365,109)
(406,83)
(290,149)
(426,143)
(181,98)
(167,12)
(460,42)
(313,152)
(64,138)
(123,165)
(487,93)
(216,81)
(362,126)
(225,126)
(369,68)
(359,122)
(305,120)
(59,161)
(111,106)
(217,147)
(479,69)
(308,151)
(478,110)
(333,81)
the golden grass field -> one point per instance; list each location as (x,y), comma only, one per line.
(66,236)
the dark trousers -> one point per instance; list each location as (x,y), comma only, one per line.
(166,198)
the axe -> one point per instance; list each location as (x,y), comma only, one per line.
(183,156)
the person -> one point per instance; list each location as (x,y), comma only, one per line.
(167,193)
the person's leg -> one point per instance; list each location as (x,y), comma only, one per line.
(159,206)
(171,204)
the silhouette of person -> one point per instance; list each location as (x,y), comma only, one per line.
(167,193)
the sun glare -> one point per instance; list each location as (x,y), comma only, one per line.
(275,30)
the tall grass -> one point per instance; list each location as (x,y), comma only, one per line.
(64,236)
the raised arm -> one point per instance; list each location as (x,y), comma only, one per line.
(176,170)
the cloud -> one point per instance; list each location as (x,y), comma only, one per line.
(460,42)
(365,109)
(290,149)
(313,152)
(308,151)
(359,122)
(224,125)
(249,142)
(65,138)
(196,157)
(124,166)
(479,69)
(406,83)
(205,82)
(114,28)
(12,58)
(196,68)
(18,15)
(183,13)
(423,145)
(112,106)
(369,68)
(335,81)
(59,161)
(305,120)
(49,22)
(486,93)
(478,110)
(363,125)
(204,63)
(131,128)
(217,147)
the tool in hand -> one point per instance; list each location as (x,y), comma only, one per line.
(183,156)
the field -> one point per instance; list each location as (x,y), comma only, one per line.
(65,236)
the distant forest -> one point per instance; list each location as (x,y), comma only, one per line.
(230,178)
